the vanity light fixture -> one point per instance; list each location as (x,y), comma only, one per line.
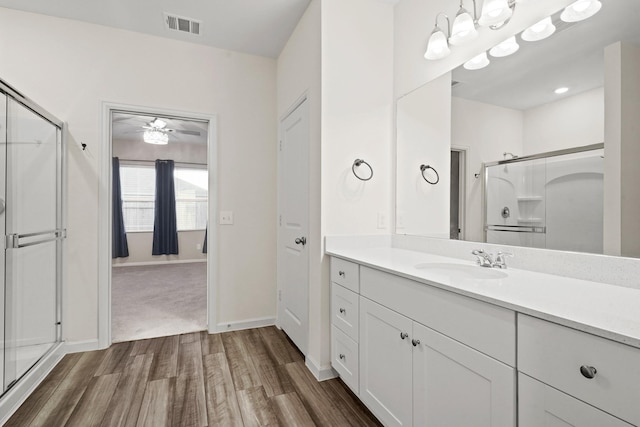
(539,31)
(477,62)
(561,90)
(464,26)
(438,45)
(580,10)
(506,48)
(496,13)
(156,137)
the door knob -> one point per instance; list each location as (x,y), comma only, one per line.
(301,241)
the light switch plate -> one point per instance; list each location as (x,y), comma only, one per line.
(226,217)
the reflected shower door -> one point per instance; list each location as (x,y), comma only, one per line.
(3,163)
(33,239)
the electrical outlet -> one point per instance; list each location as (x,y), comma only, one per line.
(198,246)
(382,220)
(226,218)
(400,220)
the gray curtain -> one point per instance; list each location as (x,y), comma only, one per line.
(204,245)
(119,248)
(165,230)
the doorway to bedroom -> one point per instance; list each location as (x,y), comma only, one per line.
(159,227)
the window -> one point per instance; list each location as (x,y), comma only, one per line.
(138,197)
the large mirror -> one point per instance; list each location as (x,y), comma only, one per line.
(517,162)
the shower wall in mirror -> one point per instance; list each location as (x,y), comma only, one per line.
(510,108)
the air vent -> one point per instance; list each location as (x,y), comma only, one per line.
(182,24)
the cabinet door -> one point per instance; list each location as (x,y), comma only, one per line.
(455,385)
(385,363)
(544,406)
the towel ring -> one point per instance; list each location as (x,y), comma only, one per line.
(424,168)
(357,163)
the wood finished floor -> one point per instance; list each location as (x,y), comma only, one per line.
(254,377)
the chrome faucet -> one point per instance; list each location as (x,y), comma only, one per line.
(486,259)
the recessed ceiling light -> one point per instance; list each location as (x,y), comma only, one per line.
(561,90)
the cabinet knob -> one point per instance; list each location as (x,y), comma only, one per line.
(403,335)
(415,342)
(343,311)
(341,356)
(341,273)
(588,371)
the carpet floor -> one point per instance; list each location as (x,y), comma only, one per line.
(158,300)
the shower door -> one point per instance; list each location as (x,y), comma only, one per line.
(31,190)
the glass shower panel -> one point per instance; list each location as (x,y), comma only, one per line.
(33,224)
(3,162)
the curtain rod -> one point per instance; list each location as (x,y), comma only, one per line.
(153,161)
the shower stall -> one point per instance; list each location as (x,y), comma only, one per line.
(551,200)
(31,221)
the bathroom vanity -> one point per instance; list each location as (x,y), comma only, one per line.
(427,340)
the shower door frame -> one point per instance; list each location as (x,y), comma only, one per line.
(20,389)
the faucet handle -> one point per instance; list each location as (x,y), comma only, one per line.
(501,262)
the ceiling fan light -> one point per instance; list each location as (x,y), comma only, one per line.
(506,48)
(438,46)
(158,123)
(156,137)
(539,31)
(494,12)
(477,62)
(580,10)
(464,28)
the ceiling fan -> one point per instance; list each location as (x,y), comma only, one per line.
(157,132)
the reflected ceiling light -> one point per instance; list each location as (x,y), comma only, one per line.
(539,31)
(580,10)
(156,137)
(158,123)
(506,48)
(438,45)
(477,62)
(561,90)
(464,26)
(496,13)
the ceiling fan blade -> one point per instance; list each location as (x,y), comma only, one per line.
(185,132)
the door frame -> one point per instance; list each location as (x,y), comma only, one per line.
(279,273)
(462,190)
(105,216)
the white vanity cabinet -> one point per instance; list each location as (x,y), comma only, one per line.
(568,377)
(427,357)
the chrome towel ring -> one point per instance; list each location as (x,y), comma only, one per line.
(358,163)
(424,168)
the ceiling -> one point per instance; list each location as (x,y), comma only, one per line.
(130,127)
(572,57)
(259,27)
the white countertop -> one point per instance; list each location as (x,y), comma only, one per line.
(605,310)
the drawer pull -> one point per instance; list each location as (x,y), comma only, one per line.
(341,356)
(343,311)
(403,335)
(588,371)
(415,342)
(341,273)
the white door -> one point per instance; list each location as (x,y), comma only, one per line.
(385,363)
(543,406)
(293,235)
(455,385)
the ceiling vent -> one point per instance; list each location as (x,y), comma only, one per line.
(182,24)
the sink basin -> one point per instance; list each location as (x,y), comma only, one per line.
(462,271)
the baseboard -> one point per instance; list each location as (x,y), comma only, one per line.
(321,373)
(244,324)
(140,264)
(81,346)
(15,397)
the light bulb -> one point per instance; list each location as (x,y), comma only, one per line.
(539,31)
(437,47)
(494,12)
(580,10)
(464,29)
(506,48)
(477,62)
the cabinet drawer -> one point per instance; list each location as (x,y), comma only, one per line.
(554,354)
(344,358)
(345,273)
(344,310)
(544,406)
(486,327)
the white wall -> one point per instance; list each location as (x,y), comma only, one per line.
(488,131)
(570,122)
(70,68)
